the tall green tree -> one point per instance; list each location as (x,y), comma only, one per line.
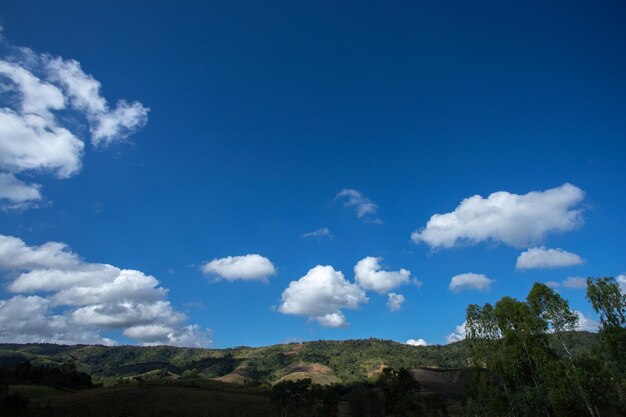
(518,370)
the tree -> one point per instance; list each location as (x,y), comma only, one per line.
(610,304)
(518,371)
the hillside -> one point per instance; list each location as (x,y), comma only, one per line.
(324,361)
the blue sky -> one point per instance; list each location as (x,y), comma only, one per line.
(242,124)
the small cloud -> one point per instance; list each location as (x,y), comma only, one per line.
(553,284)
(418,342)
(289,340)
(417,282)
(370,276)
(457,335)
(575,283)
(17,194)
(246,268)
(543,258)
(364,208)
(197,305)
(394,301)
(320,233)
(336,319)
(470,281)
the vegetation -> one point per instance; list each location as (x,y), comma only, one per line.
(524,366)
(58,376)
(520,358)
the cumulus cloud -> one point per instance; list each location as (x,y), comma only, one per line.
(457,335)
(370,276)
(586,323)
(322,232)
(364,208)
(36,88)
(418,342)
(321,294)
(394,301)
(332,320)
(544,258)
(246,268)
(60,298)
(470,281)
(512,219)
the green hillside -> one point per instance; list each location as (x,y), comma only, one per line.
(348,361)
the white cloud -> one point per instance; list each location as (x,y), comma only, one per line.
(457,335)
(586,323)
(470,281)
(364,208)
(106,125)
(553,284)
(369,276)
(322,232)
(19,193)
(394,301)
(320,295)
(30,319)
(515,220)
(158,334)
(575,283)
(16,255)
(418,342)
(35,89)
(63,299)
(332,320)
(544,258)
(247,268)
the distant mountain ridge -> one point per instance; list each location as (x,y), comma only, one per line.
(325,361)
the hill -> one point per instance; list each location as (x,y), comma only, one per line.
(327,361)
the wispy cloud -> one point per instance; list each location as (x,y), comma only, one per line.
(320,233)
(364,208)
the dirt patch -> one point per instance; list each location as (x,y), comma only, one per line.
(377,371)
(238,376)
(306,367)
